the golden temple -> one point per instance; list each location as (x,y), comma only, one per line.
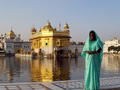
(49,38)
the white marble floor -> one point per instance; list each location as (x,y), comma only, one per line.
(106,83)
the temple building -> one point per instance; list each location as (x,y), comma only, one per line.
(13,44)
(48,39)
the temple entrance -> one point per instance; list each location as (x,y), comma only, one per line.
(62,53)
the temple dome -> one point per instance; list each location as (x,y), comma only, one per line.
(66,26)
(33,29)
(11,34)
(48,25)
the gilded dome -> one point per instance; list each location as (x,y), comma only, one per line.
(11,34)
(66,26)
(48,25)
(33,29)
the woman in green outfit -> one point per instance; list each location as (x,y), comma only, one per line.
(92,53)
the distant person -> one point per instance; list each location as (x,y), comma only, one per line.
(92,53)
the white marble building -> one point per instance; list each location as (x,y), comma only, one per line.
(13,44)
(114,42)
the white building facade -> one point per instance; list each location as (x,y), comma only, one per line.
(12,44)
(114,42)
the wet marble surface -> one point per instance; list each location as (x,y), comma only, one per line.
(106,83)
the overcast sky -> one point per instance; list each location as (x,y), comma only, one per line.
(103,16)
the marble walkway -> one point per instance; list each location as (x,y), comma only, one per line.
(106,84)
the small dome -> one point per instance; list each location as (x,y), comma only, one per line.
(33,29)
(11,34)
(48,25)
(66,26)
(40,30)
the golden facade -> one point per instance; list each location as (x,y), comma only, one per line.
(48,38)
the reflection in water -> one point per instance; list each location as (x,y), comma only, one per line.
(24,69)
(41,70)
(49,70)
(111,63)
(13,69)
(61,69)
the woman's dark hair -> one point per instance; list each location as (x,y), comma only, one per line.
(93,33)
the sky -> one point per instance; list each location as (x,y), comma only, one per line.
(102,16)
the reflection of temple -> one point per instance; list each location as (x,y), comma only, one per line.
(49,70)
(62,69)
(41,70)
(111,63)
(12,67)
(2,65)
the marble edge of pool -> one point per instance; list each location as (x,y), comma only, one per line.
(106,83)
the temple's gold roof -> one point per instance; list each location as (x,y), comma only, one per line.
(48,25)
(11,34)
(66,26)
(33,29)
